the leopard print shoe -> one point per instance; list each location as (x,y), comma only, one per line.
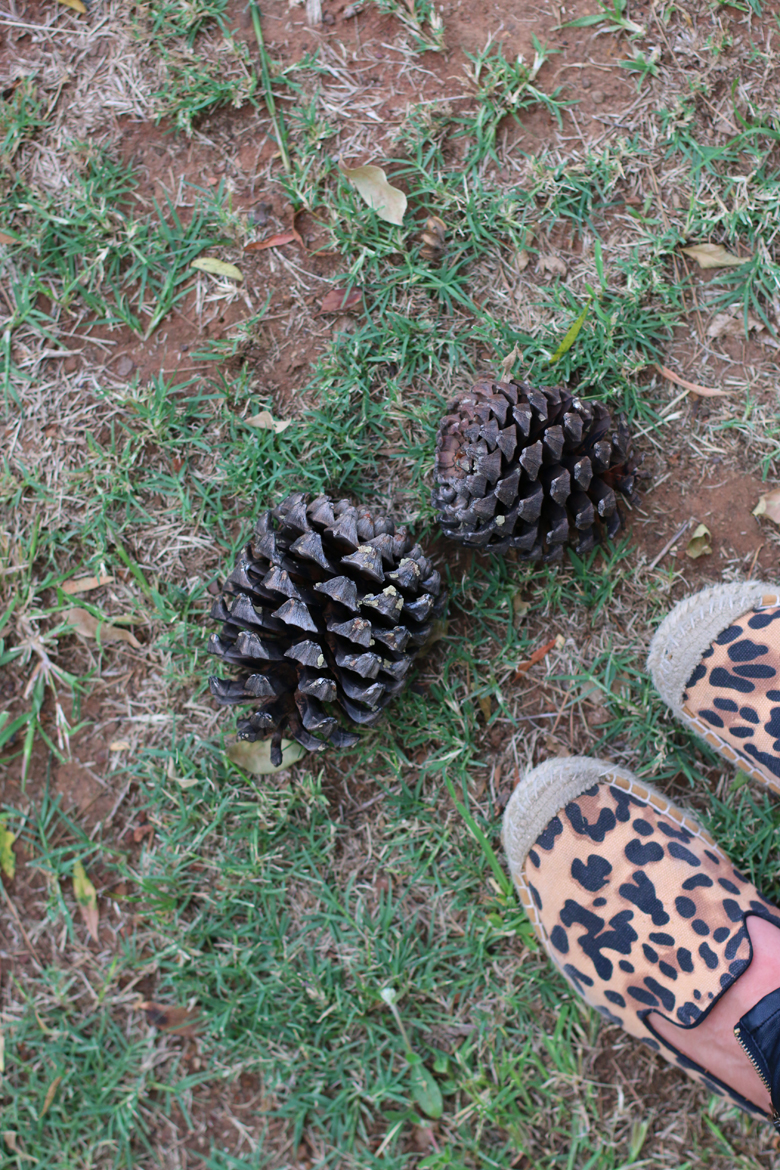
(715,660)
(635,904)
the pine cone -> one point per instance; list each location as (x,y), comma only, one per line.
(322,617)
(529,469)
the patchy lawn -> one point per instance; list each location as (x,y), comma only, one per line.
(226,1012)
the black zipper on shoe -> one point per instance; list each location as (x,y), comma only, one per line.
(743,1043)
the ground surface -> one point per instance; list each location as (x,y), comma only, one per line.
(269,914)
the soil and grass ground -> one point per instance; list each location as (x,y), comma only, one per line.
(271,919)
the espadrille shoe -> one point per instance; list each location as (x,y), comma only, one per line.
(640,910)
(715,660)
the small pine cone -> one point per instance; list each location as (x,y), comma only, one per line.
(323,615)
(530,470)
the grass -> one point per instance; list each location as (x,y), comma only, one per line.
(354,957)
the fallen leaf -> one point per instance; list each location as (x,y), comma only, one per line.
(168,1018)
(769,506)
(76,5)
(724,325)
(86,897)
(433,239)
(84,584)
(10,1138)
(216,267)
(714,256)
(522,260)
(486,707)
(183,781)
(338,300)
(7,858)
(265,422)
(6,239)
(276,241)
(371,184)
(51,1093)
(537,656)
(256,757)
(119,745)
(89,626)
(694,387)
(700,543)
(552,264)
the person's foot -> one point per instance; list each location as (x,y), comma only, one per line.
(646,917)
(715,660)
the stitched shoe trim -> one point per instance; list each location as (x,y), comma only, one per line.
(686,632)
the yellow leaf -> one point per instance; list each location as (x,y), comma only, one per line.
(256,757)
(86,897)
(76,5)
(51,1093)
(485,706)
(264,421)
(371,184)
(714,256)
(84,584)
(769,506)
(700,543)
(216,267)
(7,859)
(88,626)
(119,745)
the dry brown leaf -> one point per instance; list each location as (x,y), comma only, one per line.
(88,626)
(552,264)
(6,239)
(216,267)
(371,184)
(76,5)
(714,256)
(537,656)
(694,387)
(256,757)
(338,300)
(485,706)
(724,325)
(769,506)
(700,544)
(86,898)
(433,239)
(522,260)
(276,241)
(51,1093)
(264,421)
(84,584)
(119,745)
(168,1018)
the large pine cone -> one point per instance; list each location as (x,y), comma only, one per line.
(322,617)
(529,469)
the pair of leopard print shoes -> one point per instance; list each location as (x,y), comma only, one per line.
(634,902)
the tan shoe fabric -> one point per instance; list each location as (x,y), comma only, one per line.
(640,910)
(733,696)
